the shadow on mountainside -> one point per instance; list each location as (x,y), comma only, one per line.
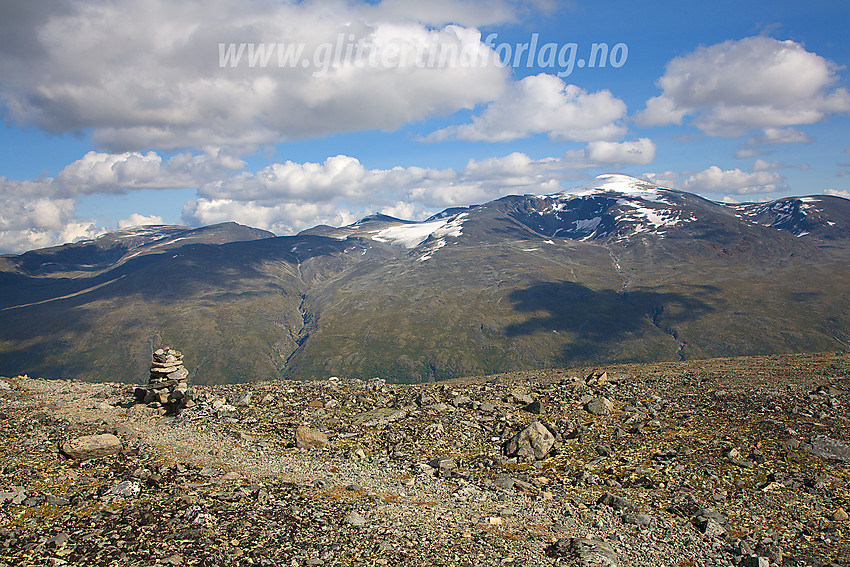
(597,321)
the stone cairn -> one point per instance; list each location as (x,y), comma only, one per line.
(167,386)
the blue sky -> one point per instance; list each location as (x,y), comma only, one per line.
(130,113)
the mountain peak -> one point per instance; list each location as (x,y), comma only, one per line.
(617,183)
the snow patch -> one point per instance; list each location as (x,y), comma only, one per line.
(413,234)
(589,225)
(620,185)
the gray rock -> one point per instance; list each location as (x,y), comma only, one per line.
(827,448)
(461,400)
(770,550)
(534,407)
(354,519)
(425,399)
(617,502)
(242,400)
(5,386)
(599,406)
(92,446)
(520,396)
(309,438)
(712,528)
(504,481)
(637,519)
(59,540)
(15,496)
(443,465)
(125,489)
(755,561)
(584,552)
(380,416)
(533,443)
(710,522)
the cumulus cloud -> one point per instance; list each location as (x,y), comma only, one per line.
(637,152)
(764,165)
(752,83)
(717,180)
(152,74)
(36,223)
(282,197)
(98,172)
(838,193)
(139,220)
(543,104)
(289,197)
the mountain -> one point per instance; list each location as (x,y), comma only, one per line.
(618,270)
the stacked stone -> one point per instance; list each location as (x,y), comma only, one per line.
(167,385)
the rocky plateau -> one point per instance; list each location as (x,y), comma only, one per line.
(735,461)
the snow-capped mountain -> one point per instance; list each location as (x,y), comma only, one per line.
(618,269)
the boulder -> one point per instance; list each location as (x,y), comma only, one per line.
(584,552)
(532,443)
(599,406)
(92,446)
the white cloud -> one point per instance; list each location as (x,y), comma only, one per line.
(776,136)
(736,86)
(838,193)
(717,180)
(543,104)
(744,153)
(36,223)
(290,197)
(139,220)
(98,172)
(764,165)
(148,74)
(638,152)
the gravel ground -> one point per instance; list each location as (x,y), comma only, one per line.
(738,461)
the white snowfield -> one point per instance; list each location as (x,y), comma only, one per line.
(619,184)
(411,235)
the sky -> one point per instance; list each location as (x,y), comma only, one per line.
(285,115)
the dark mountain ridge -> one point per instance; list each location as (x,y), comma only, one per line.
(618,270)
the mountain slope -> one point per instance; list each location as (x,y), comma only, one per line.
(617,270)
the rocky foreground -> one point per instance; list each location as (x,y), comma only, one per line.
(739,461)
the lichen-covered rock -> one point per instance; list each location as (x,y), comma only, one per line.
(533,443)
(309,438)
(92,446)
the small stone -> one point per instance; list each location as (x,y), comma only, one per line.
(712,528)
(5,386)
(309,438)
(92,447)
(534,407)
(617,502)
(242,400)
(840,515)
(827,448)
(584,552)
(755,561)
(59,540)
(354,519)
(599,406)
(443,465)
(125,489)
(637,519)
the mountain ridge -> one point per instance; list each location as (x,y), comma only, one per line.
(617,270)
